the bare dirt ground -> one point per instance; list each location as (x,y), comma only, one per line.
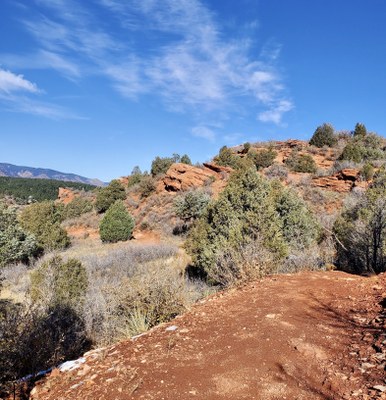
(313,335)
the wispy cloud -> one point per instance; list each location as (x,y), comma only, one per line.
(15,96)
(204,132)
(172,49)
(10,82)
(275,114)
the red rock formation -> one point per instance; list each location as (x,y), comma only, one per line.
(66,195)
(184,177)
(342,181)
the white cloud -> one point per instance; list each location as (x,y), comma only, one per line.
(196,68)
(10,82)
(275,114)
(204,132)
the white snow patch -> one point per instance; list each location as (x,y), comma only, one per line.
(71,365)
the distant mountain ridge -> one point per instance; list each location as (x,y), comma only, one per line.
(16,171)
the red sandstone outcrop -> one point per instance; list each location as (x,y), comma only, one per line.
(343,181)
(184,177)
(66,195)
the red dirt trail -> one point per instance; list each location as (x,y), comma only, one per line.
(312,335)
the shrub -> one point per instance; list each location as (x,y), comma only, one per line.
(360,130)
(300,229)
(249,209)
(117,224)
(226,158)
(43,221)
(191,205)
(301,163)
(147,186)
(263,158)
(59,282)
(360,231)
(278,171)
(161,164)
(109,195)
(15,244)
(33,340)
(367,172)
(185,159)
(77,207)
(324,136)
(364,148)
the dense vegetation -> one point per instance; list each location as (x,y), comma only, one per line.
(251,215)
(15,243)
(108,195)
(25,189)
(43,220)
(361,231)
(117,224)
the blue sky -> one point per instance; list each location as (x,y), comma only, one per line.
(96,87)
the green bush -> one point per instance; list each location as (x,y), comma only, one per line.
(364,148)
(324,136)
(226,158)
(297,162)
(43,221)
(360,231)
(109,195)
(250,210)
(135,177)
(160,165)
(77,207)
(191,205)
(59,282)
(263,158)
(360,130)
(15,244)
(117,224)
(185,159)
(367,172)
(147,186)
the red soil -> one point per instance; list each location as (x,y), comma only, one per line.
(313,335)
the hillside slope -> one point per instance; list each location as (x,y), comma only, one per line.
(314,335)
(11,170)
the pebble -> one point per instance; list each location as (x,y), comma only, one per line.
(380,388)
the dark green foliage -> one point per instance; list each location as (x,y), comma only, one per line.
(160,165)
(15,244)
(263,158)
(361,231)
(352,152)
(109,195)
(77,207)
(59,282)
(364,148)
(191,205)
(323,136)
(360,130)
(226,158)
(300,228)
(25,189)
(43,221)
(135,177)
(250,210)
(367,172)
(185,159)
(147,186)
(117,224)
(297,162)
